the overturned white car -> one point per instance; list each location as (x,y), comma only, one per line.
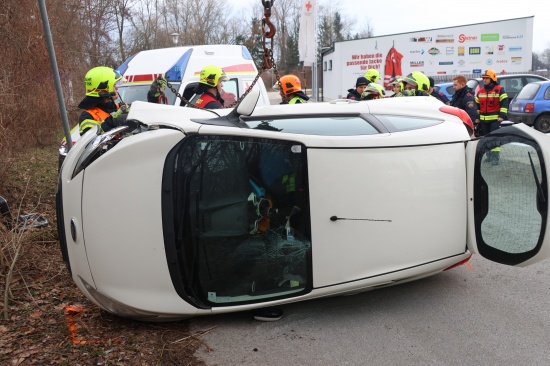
(197,212)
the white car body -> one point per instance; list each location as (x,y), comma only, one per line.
(387,191)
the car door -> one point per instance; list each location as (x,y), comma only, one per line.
(508,200)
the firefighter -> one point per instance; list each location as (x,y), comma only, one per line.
(210,87)
(417,84)
(492,107)
(463,97)
(397,87)
(371,92)
(156,91)
(373,76)
(437,95)
(360,86)
(290,89)
(99,107)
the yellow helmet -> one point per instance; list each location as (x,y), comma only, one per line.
(398,82)
(373,75)
(490,74)
(419,80)
(290,84)
(211,75)
(100,82)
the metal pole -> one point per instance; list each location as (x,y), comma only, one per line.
(55,70)
(315,82)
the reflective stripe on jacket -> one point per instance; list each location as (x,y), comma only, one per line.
(207,98)
(492,104)
(98,115)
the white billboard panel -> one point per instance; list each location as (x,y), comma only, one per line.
(504,46)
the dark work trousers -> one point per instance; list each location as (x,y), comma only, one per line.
(493,156)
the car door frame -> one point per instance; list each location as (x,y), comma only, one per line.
(475,153)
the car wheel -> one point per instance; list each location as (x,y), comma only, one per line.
(542,124)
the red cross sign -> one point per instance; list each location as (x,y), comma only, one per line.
(308,5)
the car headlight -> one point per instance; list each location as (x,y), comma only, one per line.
(94,148)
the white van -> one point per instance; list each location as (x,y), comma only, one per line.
(181,67)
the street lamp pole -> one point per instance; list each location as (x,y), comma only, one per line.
(175,38)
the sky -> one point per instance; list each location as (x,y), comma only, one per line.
(399,16)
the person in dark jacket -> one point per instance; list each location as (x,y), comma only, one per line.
(438,95)
(156,91)
(463,97)
(360,86)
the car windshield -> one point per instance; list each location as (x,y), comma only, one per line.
(131,93)
(528,92)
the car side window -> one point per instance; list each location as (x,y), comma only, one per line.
(547,94)
(531,79)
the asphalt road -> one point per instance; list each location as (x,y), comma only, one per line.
(482,314)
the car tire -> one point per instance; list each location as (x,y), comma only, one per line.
(542,124)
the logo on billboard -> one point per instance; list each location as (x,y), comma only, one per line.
(422,39)
(441,72)
(475,62)
(464,38)
(450,51)
(490,37)
(461,50)
(502,61)
(515,49)
(475,50)
(516,36)
(446,63)
(476,71)
(417,63)
(461,63)
(489,61)
(444,38)
(516,60)
(501,49)
(489,50)
(417,51)
(433,51)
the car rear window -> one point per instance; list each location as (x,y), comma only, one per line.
(342,126)
(528,92)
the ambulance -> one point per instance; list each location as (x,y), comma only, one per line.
(181,67)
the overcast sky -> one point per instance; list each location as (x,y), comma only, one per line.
(399,16)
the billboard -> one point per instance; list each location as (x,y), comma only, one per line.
(504,46)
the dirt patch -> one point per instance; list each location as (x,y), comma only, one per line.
(49,321)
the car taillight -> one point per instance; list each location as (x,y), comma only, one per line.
(529,107)
(460,113)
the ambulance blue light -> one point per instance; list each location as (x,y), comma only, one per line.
(122,68)
(176,72)
(246,54)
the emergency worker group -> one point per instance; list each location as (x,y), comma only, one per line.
(487,107)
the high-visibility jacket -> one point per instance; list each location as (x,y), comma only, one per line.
(296,99)
(98,117)
(492,104)
(208,100)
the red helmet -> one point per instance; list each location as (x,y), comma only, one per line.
(290,84)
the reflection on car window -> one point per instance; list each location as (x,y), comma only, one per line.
(401,123)
(528,92)
(514,211)
(326,126)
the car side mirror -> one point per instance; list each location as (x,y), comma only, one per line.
(247,105)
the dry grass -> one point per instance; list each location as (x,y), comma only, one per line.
(39,329)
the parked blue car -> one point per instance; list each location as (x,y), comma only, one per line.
(445,88)
(532,106)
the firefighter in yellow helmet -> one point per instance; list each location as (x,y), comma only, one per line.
(417,84)
(492,107)
(290,89)
(397,87)
(99,108)
(373,76)
(210,87)
(371,92)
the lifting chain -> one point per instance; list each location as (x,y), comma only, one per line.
(268,61)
